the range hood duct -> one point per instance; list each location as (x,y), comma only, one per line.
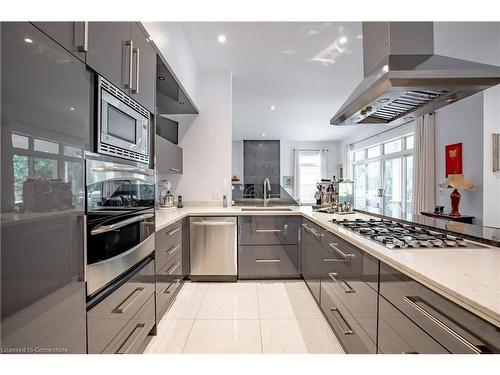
(404,79)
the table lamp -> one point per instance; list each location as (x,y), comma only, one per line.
(456,181)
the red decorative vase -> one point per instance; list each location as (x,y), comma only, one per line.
(455,201)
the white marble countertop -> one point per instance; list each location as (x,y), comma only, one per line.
(470,277)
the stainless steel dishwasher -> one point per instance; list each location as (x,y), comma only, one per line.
(213,248)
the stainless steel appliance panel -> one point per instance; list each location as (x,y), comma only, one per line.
(213,247)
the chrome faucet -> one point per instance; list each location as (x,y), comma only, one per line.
(267,185)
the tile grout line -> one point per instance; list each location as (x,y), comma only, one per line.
(194,320)
(260,324)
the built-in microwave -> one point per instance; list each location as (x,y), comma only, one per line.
(122,124)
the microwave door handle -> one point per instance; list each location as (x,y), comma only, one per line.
(123,169)
(108,228)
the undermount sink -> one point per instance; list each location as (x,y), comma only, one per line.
(266,209)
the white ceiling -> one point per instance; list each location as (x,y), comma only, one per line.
(299,67)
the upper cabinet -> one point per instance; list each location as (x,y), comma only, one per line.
(71,35)
(120,52)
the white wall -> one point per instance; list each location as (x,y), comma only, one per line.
(461,122)
(476,41)
(237,160)
(206,141)
(173,45)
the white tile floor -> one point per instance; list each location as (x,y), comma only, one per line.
(244,317)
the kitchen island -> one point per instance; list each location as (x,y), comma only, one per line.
(471,279)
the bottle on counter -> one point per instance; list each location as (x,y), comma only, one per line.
(224,201)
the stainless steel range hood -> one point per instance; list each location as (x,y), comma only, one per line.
(404,79)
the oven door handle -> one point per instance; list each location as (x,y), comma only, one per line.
(108,228)
(145,172)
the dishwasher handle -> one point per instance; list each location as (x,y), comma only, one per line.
(214,223)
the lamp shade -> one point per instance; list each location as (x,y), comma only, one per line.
(457,181)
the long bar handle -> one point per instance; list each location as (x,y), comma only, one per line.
(132,338)
(343,254)
(129,301)
(267,230)
(136,51)
(214,223)
(128,82)
(108,228)
(145,172)
(173,268)
(335,275)
(175,169)
(276,260)
(346,328)
(171,233)
(412,301)
(84,47)
(167,289)
(173,249)
(312,231)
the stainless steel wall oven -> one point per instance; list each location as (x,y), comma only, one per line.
(120,220)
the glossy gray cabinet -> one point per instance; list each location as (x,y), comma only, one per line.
(71,35)
(118,310)
(169,250)
(168,157)
(45,129)
(118,51)
(310,257)
(397,334)
(453,327)
(268,246)
(144,72)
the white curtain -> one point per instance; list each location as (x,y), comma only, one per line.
(296,175)
(423,165)
(323,154)
(348,162)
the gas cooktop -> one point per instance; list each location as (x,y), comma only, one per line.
(396,235)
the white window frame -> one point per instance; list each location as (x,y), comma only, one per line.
(384,157)
(311,201)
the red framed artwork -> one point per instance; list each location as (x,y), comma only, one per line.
(453,159)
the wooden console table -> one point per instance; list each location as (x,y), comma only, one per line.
(461,218)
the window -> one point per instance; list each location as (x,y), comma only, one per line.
(383,180)
(310,174)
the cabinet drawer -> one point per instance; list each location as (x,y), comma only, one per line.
(166,237)
(165,252)
(351,335)
(268,230)
(168,281)
(130,338)
(399,335)
(110,315)
(456,329)
(357,297)
(267,261)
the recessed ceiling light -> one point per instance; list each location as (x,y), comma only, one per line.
(263,134)
(71,108)
(343,40)
(161,78)
(221,39)
(273,108)
(385,68)
(28,40)
(313,32)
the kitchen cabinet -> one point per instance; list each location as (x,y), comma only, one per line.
(453,327)
(71,35)
(168,266)
(123,311)
(268,247)
(120,52)
(168,157)
(45,130)
(144,72)
(349,293)
(310,260)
